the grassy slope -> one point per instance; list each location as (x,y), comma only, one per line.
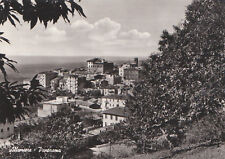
(213,152)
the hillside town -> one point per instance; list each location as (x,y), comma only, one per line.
(124,80)
(101,88)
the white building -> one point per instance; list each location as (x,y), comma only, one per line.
(127,66)
(53,106)
(114,115)
(110,90)
(113,101)
(45,78)
(6,130)
(72,83)
(27,83)
(122,68)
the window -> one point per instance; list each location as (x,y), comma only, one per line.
(8,129)
(111,117)
(105,123)
(116,118)
(1,130)
(105,116)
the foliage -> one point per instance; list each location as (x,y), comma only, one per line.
(43,10)
(103,156)
(3,38)
(112,135)
(63,130)
(5,61)
(209,128)
(14,97)
(185,81)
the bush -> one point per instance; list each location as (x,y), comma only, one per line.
(102,156)
(209,128)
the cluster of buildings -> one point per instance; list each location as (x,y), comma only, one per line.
(99,75)
(114,109)
(111,83)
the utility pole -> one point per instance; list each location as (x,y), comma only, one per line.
(110,148)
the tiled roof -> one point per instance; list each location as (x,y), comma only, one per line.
(118,111)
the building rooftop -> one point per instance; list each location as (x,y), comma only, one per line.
(63,80)
(57,79)
(79,70)
(70,76)
(115,97)
(59,100)
(133,69)
(96,60)
(118,111)
(54,102)
(109,87)
(47,73)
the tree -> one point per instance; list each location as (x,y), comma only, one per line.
(14,98)
(185,81)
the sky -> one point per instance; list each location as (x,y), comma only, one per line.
(112,28)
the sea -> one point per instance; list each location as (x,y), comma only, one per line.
(29,66)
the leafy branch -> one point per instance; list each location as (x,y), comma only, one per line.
(14,97)
(43,10)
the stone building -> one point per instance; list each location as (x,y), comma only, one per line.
(99,66)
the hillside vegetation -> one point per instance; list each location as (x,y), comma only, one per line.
(183,84)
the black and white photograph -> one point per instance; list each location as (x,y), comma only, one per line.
(112,79)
